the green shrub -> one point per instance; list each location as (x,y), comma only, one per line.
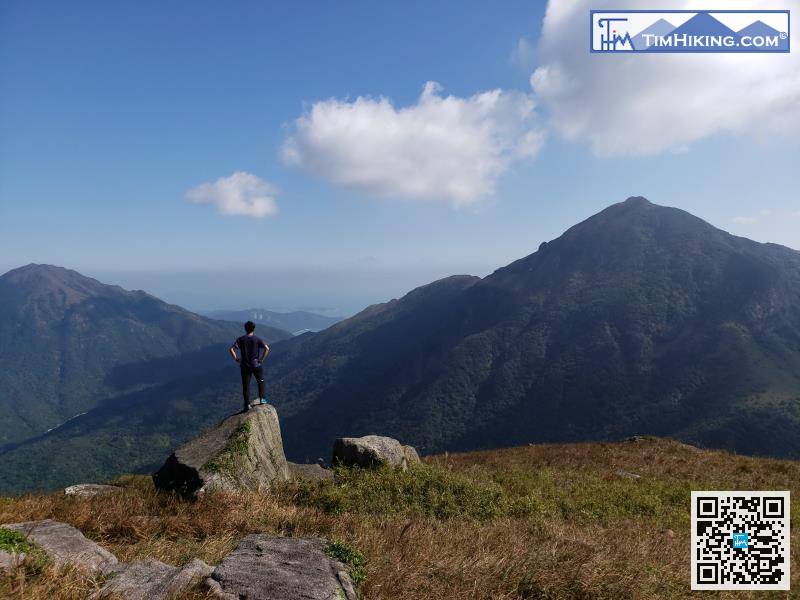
(539,494)
(14,542)
(349,556)
(420,491)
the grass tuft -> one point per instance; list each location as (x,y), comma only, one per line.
(350,557)
(14,542)
(421,491)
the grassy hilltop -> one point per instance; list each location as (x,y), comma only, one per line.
(533,522)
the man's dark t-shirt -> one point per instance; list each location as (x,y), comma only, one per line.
(249,350)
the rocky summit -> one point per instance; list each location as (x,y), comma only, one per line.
(244,451)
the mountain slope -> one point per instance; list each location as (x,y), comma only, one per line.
(642,319)
(136,431)
(295,321)
(68,341)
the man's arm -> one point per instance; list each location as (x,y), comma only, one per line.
(233,353)
(263,357)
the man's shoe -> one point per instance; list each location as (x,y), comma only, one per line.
(263,401)
(246,408)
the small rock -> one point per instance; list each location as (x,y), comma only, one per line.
(245,451)
(669,533)
(627,474)
(153,580)
(636,438)
(65,545)
(10,561)
(412,458)
(263,567)
(309,471)
(373,451)
(688,447)
(90,489)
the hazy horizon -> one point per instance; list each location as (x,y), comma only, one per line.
(399,143)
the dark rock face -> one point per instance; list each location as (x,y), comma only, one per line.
(65,545)
(243,451)
(153,580)
(372,451)
(263,567)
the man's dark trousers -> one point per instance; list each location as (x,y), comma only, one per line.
(246,373)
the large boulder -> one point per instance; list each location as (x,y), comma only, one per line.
(153,580)
(245,451)
(65,545)
(263,567)
(372,451)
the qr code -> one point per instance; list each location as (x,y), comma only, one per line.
(740,540)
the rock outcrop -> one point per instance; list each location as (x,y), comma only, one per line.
(310,471)
(153,580)
(90,489)
(263,567)
(65,545)
(372,451)
(243,451)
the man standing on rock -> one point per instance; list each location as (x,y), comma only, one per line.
(250,362)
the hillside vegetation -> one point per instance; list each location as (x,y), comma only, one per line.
(71,345)
(532,522)
(642,319)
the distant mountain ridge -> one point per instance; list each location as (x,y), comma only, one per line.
(298,321)
(642,319)
(65,340)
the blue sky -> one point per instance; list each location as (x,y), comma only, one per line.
(110,113)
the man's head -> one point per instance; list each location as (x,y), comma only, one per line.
(249,327)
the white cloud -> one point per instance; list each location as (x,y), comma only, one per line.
(765,212)
(744,220)
(641,104)
(240,194)
(442,148)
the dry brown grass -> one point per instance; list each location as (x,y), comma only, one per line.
(567,546)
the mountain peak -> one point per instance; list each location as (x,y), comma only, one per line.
(34,270)
(637,201)
(38,280)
